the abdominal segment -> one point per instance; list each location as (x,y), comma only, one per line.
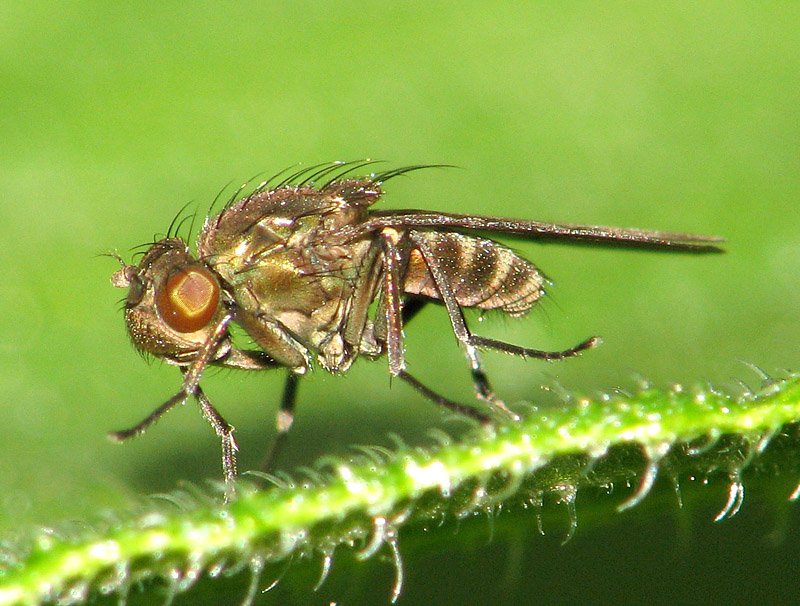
(481,273)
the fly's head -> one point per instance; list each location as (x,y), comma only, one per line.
(173,303)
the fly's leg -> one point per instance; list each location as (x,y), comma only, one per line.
(412,307)
(191,382)
(442,401)
(395,315)
(225,432)
(144,424)
(257,360)
(366,286)
(284,418)
(392,307)
(479,379)
(191,387)
(525,352)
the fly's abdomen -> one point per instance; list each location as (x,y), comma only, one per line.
(481,273)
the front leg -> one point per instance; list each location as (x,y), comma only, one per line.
(234,358)
(257,360)
(191,382)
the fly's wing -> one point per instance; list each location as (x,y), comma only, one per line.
(479,272)
(537,230)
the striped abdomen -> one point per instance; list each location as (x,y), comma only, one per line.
(481,273)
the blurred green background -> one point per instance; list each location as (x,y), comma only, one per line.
(674,116)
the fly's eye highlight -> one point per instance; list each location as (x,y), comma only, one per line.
(189,299)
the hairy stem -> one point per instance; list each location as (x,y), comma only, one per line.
(362,504)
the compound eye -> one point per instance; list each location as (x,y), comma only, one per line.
(189,299)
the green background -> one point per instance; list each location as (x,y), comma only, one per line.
(676,116)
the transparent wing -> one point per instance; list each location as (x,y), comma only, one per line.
(535,230)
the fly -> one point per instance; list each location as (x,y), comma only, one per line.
(298,264)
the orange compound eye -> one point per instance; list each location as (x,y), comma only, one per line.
(189,299)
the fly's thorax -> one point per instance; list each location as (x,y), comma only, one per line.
(304,289)
(270,217)
(173,302)
(278,254)
(278,233)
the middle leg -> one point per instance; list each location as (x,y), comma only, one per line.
(284,418)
